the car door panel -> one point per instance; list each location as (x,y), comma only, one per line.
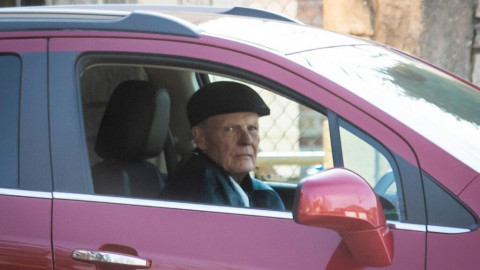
(186,235)
(180,238)
(25,230)
(409,250)
(25,182)
(446,247)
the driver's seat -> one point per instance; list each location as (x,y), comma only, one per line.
(134,128)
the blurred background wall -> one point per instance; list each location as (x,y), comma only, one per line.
(443,32)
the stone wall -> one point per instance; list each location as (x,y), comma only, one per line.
(448,35)
(476,47)
(348,16)
(398,24)
(439,31)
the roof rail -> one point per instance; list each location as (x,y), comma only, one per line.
(258,13)
(238,11)
(137,21)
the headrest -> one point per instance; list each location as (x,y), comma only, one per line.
(222,98)
(135,122)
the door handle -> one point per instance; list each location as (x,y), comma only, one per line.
(110,258)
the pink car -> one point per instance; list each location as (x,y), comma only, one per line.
(375,154)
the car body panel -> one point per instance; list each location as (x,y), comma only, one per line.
(19,46)
(25,238)
(447,251)
(470,195)
(170,236)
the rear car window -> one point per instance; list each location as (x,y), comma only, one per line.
(10,68)
(444,210)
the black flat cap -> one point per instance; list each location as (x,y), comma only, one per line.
(222,98)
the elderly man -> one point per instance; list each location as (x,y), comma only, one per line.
(224,120)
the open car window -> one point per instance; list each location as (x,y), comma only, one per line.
(294,139)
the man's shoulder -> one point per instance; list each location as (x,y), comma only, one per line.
(194,164)
(197,173)
(264,196)
(196,180)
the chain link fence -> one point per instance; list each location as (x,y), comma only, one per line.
(292,139)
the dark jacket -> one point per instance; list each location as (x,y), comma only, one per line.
(199,179)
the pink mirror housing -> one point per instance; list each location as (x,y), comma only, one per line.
(341,200)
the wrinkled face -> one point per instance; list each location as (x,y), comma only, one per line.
(231,140)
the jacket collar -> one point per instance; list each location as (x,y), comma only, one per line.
(246,183)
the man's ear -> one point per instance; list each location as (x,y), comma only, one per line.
(199,137)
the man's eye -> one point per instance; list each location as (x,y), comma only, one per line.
(254,128)
(228,129)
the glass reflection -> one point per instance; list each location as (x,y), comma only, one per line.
(284,37)
(439,107)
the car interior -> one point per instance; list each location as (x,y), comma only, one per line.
(130,152)
(132,148)
(134,128)
(127,136)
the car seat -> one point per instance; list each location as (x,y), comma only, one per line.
(134,128)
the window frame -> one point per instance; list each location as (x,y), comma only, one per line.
(409,179)
(33,164)
(387,155)
(202,69)
(234,72)
(303,96)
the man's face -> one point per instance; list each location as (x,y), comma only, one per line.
(231,140)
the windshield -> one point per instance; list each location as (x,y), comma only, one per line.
(439,107)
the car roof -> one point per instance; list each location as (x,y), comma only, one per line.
(258,27)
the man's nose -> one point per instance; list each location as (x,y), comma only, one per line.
(245,136)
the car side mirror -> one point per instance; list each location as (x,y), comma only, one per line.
(341,200)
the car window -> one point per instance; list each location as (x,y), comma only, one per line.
(375,164)
(9,109)
(444,210)
(294,138)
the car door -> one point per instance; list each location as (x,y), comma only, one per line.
(25,181)
(169,235)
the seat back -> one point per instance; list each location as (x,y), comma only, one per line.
(134,128)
